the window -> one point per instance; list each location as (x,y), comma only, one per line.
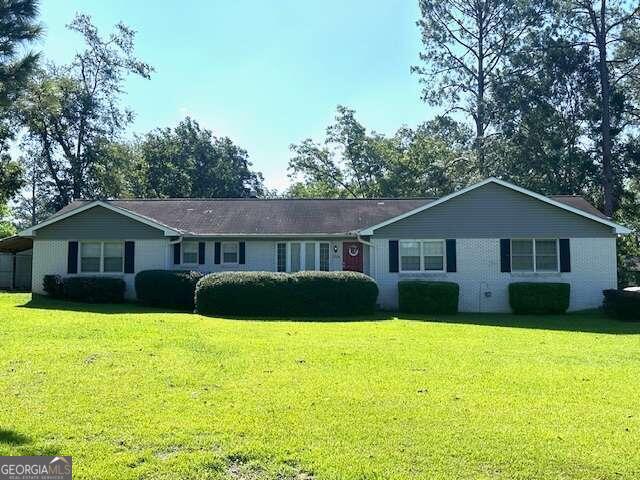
(113,257)
(546,256)
(410,256)
(422,255)
(230,252)
(310,256)
(522,255)
(297,256)
(324,256)
(189,252)
(90,253)
(294,248)
(433,254)
(281,257)
(539,255)
(97,257)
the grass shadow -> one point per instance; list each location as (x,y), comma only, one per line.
(378,316)
(592,321)
(11,437)
(42,302)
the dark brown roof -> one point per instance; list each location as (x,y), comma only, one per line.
(270,217)
(580,203)
(280,216)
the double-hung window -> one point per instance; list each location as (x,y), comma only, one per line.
(113,257)
(101,257)
(534,255)
(190,252)
(90,257)
(422,255)
(229,252)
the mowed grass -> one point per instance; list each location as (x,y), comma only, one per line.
(134,393)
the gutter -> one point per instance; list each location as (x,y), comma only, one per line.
(362,240)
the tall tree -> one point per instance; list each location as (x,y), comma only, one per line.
(432,159)
(73,110)
(189,161)
(467,45)
(543,113)
(611,28)
(18,27)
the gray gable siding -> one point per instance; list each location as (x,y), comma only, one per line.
(494,211)
(98,223)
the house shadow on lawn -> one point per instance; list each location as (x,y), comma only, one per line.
(592,321)
(42,302)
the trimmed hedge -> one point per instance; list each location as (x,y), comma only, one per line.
(94,289)
(539,297)
(167,288)
(418,296)
(286,294)
(622,304)
(53,285)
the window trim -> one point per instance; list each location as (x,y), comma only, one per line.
(222,260)
(101,269)
(182,252)
(303,251)
(535,260)
(421,241)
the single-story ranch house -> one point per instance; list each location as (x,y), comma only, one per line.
(483,237)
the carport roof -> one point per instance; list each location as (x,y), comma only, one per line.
(15,244)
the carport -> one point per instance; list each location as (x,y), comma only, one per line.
(15,263)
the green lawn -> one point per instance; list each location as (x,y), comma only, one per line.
(136,393)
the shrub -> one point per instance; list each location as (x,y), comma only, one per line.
(297,294)
(94,289)
(539,298)
(417,296)
(167,288)
(622,304)
(53,285)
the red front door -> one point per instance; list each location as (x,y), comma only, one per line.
(352,256)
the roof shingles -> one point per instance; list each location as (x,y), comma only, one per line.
(281,216)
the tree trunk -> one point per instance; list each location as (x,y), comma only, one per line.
(480,111)
(605,126)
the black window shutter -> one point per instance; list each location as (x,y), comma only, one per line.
(72,257)
(129,257)
(241,253)
(505,255)
(176,254)
(393,256)
(452,260)
(565,255)
(216,253)
(201,250)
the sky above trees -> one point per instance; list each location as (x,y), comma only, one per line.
(266,77)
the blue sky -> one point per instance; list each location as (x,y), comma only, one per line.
(266,74)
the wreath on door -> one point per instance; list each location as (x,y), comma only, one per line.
(354,250)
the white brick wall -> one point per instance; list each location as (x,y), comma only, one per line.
(483,288)
(50,257)
(260,257)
